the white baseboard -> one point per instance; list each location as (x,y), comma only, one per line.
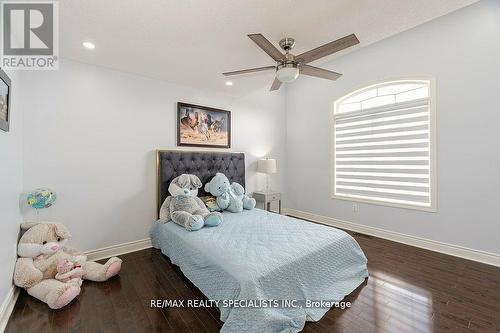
(429,244)
(115,250)
(8,306)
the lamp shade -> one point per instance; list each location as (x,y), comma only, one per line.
(267,165)
(41,198)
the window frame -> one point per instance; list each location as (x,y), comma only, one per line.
(432,145)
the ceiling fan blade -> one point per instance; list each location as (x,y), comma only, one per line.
(327,49)
(250,70)
(266,45)
(319,72)
(276,85)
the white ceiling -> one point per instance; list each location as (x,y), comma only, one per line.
(191,42)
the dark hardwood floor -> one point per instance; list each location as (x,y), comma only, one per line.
(409,290)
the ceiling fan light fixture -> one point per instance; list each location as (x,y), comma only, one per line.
(290,66)
(287,72)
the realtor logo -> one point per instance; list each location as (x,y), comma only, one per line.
(30,39)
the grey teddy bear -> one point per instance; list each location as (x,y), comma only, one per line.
(185,208)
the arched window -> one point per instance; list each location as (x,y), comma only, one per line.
(383,145)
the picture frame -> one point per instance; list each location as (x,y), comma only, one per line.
(5,88)
(203,126)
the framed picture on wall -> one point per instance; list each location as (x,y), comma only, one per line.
(4,101)
(202,126)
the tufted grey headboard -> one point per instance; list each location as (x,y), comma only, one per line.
(204,164)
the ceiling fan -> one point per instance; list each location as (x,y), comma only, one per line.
(289,66)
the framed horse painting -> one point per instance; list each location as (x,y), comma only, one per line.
(202,126)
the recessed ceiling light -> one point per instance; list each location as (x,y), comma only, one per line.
(88,45)
(229,83)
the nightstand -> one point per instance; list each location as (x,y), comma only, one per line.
(267,198)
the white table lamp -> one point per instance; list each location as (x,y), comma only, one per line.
(267,166)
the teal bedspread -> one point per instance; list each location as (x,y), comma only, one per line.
(261,256)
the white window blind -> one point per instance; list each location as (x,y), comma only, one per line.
(382,145)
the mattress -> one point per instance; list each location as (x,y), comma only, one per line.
(265,259)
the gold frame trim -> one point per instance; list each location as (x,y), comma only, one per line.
(158,151)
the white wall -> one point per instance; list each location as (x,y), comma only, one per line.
(91,135)
(462,52)
(11,183)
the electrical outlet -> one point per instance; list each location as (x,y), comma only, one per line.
(355,208)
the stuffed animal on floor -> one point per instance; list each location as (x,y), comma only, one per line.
(185,208)
(69,271)
(230,197)
(42,250)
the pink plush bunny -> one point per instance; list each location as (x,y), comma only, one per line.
(42,250)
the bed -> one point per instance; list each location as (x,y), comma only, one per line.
(263,268)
